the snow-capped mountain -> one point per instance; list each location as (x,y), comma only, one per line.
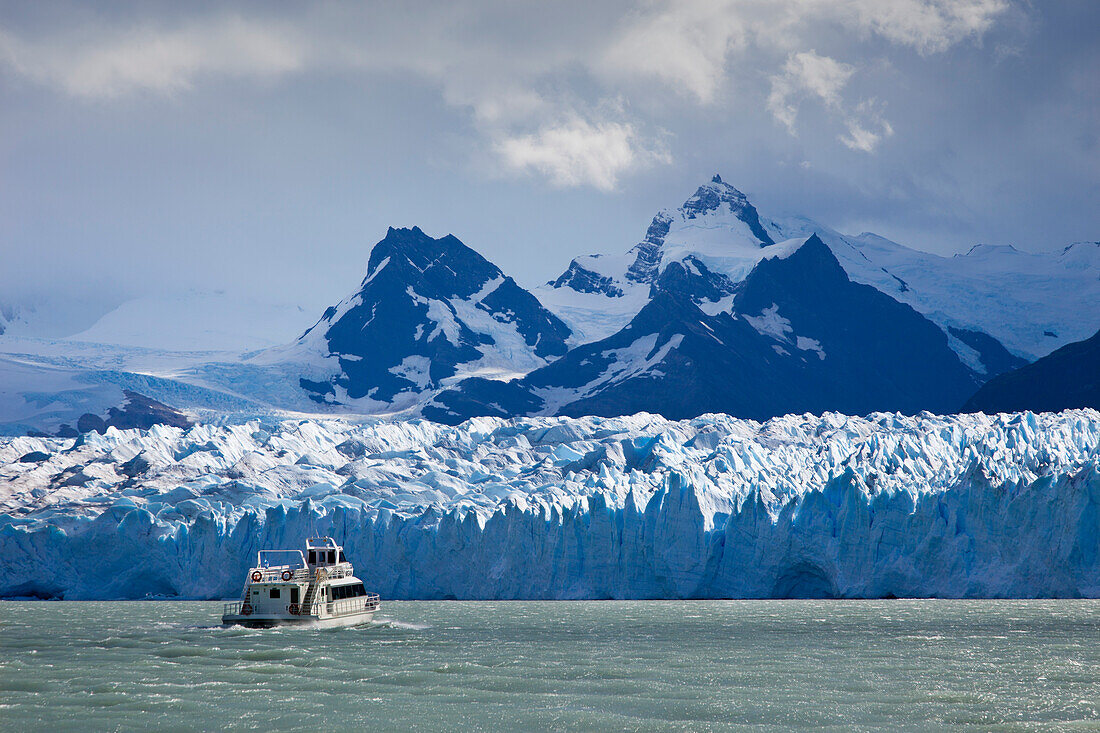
(1065,379)
(1030,303)
(796,335)
(429,312)
(599,294)
(719,307)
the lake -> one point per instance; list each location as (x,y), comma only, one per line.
(586,665)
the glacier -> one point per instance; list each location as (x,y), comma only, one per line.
(545,508)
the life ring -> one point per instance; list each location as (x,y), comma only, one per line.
(257,576)
(287,575)
(292,609)
(246,609)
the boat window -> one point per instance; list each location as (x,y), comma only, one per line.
(312,557)
(294,594)
(274,592)
(332,557)
(342,558)
(360,590)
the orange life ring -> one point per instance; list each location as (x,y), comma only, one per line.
(292,609)
(257,576)
(246,609)
(287,575)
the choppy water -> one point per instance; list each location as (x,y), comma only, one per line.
(532,666)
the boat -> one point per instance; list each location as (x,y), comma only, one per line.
(315,588)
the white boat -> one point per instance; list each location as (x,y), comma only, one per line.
(317,588)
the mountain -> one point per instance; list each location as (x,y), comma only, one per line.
(797,335)
(429,311)
(599,294)
(1031,302)
(1027,302)
(719,307)
(1065,379)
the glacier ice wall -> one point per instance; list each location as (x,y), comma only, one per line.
(630,507)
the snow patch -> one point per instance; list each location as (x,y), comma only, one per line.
(770,323)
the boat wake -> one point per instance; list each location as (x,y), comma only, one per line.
(395,624)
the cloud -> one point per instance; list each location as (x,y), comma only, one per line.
(578,152)
(690,45)
(806,74)
(810,75)
(866,128)
(929,26)
(684,44)
(109,63)
(511,66)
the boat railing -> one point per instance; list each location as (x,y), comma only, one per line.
(342,607)
(274,574)
(358,604)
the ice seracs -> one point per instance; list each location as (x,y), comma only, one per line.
(287,587)
(623,507)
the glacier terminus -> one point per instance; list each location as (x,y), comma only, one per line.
(553,507)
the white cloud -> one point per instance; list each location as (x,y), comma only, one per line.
(806,74)
(690,45)
(511,81)
(684,44)
(866,128)
(114,63)
(809,75)
(860,138)
(578,152)
(930,26)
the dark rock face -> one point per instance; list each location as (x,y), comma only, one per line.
(712,197)
(89,423)
(484,397)
(879,354)
(426,306)
(138,411)
(1064,379)
(35,456)
(801,337)
(586,281)
(693,279)
(648,251)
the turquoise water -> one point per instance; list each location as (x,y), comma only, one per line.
(723,665)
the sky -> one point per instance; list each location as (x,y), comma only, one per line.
(263,147)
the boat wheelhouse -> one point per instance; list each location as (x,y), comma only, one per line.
(317,587)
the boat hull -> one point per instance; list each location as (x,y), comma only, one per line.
(260,621)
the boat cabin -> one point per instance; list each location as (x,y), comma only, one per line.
(290,584)
(323,552)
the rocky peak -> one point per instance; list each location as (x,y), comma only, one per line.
(712,197)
